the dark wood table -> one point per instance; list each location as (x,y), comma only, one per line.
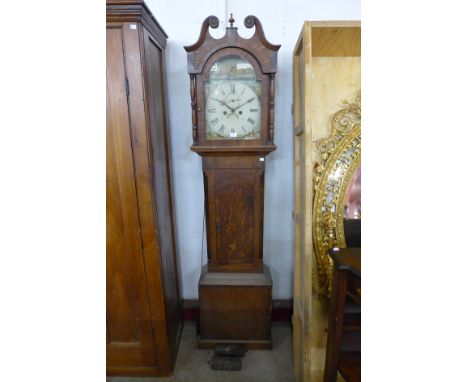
(344,325)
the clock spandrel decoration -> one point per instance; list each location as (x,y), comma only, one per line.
(232,87)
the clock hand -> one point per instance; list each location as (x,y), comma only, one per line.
(224,104)
(242,104)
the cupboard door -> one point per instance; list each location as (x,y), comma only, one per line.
(234,204)
(129,332)
(235,219)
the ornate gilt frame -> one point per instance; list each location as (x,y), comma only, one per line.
(340,156)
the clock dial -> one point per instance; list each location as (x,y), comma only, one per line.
(235,114)
(232,100)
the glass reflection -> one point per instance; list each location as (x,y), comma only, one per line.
(352,202)
(352,211)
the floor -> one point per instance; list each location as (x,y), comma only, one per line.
(257,365)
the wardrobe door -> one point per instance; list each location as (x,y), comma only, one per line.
(129,332)
(162,186)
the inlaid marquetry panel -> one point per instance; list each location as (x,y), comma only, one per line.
(234,203)
(234,217)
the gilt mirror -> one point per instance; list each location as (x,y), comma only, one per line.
(337,190)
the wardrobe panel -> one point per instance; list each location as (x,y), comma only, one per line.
(162,183)
(127,311)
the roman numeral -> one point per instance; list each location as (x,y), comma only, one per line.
(253,110)
(213,110)
(250,120)
(221,129)
(250,100)
(244,129)
(222,91)
(242,92)
(214,121)
(233,88)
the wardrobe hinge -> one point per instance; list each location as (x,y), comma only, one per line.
(127,89)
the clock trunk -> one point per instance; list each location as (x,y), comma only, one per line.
(234,212)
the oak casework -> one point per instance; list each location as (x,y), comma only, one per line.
(234,212)
(143,301)
(232,86)
(235,308)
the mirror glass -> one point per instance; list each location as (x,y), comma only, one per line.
(352,211)
(352,206)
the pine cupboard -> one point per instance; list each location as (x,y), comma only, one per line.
(143,321)
(326,70)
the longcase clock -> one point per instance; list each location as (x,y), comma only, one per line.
(232,91)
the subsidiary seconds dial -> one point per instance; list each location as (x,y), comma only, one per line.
(232,110)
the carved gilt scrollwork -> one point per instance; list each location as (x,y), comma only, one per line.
(340,156)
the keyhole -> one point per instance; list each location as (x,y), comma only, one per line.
(218,227)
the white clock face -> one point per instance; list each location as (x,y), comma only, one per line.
(232,110)
(232,100)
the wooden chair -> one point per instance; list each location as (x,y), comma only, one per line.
(344,327)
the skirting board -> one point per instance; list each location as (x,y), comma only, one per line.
(281,310)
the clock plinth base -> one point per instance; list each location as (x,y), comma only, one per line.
(235,308)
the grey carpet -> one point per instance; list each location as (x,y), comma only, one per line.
(257,365)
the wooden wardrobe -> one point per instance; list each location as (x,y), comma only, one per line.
(143,300)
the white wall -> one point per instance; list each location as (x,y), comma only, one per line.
(282,22)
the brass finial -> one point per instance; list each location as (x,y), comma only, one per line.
(231,20)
